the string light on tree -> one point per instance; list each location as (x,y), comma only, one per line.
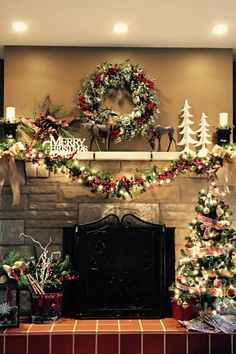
(209,257)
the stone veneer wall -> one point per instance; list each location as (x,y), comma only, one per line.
(49,203)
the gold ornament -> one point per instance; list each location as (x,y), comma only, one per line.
(225,272)
(3,279)
(211,274)
(233,258)
(219,211)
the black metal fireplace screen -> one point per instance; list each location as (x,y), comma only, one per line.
(125,267)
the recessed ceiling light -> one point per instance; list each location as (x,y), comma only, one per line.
(120,28)
(19,26)
(220,29)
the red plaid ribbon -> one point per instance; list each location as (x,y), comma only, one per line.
(209,223)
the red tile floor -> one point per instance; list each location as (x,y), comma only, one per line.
(68,336)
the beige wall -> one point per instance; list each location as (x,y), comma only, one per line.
(203,76)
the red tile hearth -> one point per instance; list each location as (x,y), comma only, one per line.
(68,336)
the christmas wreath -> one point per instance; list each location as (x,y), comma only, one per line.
(120,76)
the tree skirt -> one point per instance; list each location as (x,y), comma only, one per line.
(211,323)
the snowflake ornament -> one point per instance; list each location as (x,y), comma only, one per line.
(5,309)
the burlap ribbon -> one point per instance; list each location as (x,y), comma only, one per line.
(229,164)
(8,167)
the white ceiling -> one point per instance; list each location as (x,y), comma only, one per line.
(152,23)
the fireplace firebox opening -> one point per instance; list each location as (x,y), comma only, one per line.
(125,268)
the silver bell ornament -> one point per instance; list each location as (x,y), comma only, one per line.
(206,210)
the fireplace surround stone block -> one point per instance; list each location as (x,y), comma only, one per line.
(8,231)
(92,211)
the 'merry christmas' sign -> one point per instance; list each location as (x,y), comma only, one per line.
(65,146)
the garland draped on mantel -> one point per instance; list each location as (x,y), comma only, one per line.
(126,187)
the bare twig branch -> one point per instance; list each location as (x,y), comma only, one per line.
(45,260)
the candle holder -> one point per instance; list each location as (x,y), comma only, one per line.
(9,129)
(223,135)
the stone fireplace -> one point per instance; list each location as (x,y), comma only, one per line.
(50,203)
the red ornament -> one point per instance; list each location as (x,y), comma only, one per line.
(218,283)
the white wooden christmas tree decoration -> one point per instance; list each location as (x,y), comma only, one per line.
(203,135)
(186,129)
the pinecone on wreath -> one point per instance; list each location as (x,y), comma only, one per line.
(46,126)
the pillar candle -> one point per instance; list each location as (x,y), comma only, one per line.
(11,114)
(223,119)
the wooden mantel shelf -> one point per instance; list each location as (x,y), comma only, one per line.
(127,156)
(33,170)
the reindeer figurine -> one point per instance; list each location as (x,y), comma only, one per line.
(103,131)
(157,132)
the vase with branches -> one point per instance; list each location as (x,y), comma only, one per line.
(45,277)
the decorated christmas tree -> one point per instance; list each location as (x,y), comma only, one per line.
(206,271)
(203,134)
(186,130)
